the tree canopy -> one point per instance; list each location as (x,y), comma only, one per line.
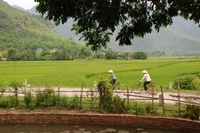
(96,20)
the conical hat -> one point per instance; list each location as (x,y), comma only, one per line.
(110,71)
(144,71)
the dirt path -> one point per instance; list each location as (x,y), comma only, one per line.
(168,96)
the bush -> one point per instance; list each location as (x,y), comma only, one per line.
(185,82)
(5,102)
(192,112)
(74,102)
(141,108)
(196,82)
(55,100)
(139,55)
(64,101)
(28,98)
(108,102)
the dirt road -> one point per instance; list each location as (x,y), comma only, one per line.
(168,96)
(143,96)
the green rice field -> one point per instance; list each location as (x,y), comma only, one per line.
(75,72)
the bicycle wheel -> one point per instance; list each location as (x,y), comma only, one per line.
(119,86)
(137,88)
(153,89)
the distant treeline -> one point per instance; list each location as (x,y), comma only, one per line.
(68,53)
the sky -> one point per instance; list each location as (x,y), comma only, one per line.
(26,4)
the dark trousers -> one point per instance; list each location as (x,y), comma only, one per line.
(113,81)
(145,84)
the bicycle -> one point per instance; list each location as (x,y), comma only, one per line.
(138,88)
(116,86)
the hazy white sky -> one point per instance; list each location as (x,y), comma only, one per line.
(26,4)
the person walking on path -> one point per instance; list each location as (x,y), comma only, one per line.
(147,79)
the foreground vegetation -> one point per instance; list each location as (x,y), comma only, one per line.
(75,72)
(102,101)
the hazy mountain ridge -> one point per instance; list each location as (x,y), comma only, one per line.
(182,37)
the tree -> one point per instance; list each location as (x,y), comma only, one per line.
(96,20)
(12,54)
(139,55)
(84,53)
(110,55)
(156,53)
(28,55)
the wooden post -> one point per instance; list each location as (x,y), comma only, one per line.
(59,91)
(39,86)
(100,94)
(160,100)
(153,97)
(170,85)
(25,85)
(92,95)
(58,102)
(127,95)
(81,95)
(179,103)
(163,103)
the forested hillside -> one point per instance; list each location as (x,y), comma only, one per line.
(25,32)
(181,38)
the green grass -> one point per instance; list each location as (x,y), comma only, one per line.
(74,73)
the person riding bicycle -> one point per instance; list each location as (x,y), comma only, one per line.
(147,79)
(113,77)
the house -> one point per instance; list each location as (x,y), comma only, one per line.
(39,50)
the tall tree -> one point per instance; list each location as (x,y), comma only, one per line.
(12,54)
(96,20)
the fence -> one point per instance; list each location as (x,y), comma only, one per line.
(179,99)
(127,95)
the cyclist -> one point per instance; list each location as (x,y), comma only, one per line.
(147,79)
(113,77)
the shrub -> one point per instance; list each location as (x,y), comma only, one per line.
(40,99)
(55,100)
(118,105)
(74,102)
(139,55)
(185,82)
(138,108)
(5,102)
(15,86)
(2,87)
(192,112)
(28,98)
(48,93)
(196,82)
(64,101)
(108,103)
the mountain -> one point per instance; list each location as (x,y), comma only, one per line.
(182,37)
(18,7)
(22,30)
